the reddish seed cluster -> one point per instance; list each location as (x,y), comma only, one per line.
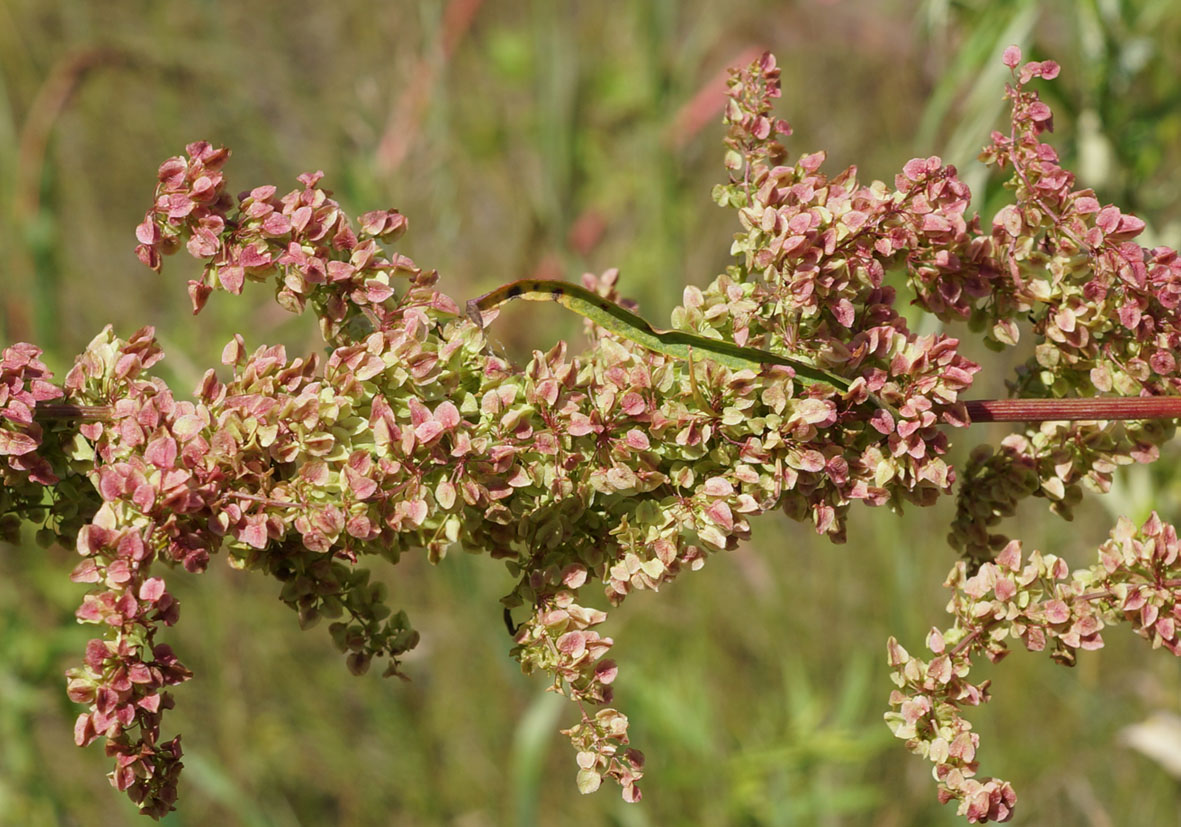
(1103,311)
(619,469)
(304,235)
(1040,602)
(812,259)
(24,381)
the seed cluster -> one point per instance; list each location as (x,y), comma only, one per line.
(619,469)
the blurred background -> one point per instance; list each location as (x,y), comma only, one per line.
(550,138)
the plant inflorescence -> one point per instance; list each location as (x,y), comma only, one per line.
(620,468)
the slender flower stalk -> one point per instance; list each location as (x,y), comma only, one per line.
(81,413)
(1112,409)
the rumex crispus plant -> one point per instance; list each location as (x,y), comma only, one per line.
(622,467)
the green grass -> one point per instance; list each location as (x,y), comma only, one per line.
(756,687)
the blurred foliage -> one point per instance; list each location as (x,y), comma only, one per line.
(1117,109)
(546,138)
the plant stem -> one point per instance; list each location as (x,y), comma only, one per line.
(1063,410)
(86,413)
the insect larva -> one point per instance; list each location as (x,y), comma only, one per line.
(676,344)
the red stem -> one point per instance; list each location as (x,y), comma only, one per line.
(1064,410)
